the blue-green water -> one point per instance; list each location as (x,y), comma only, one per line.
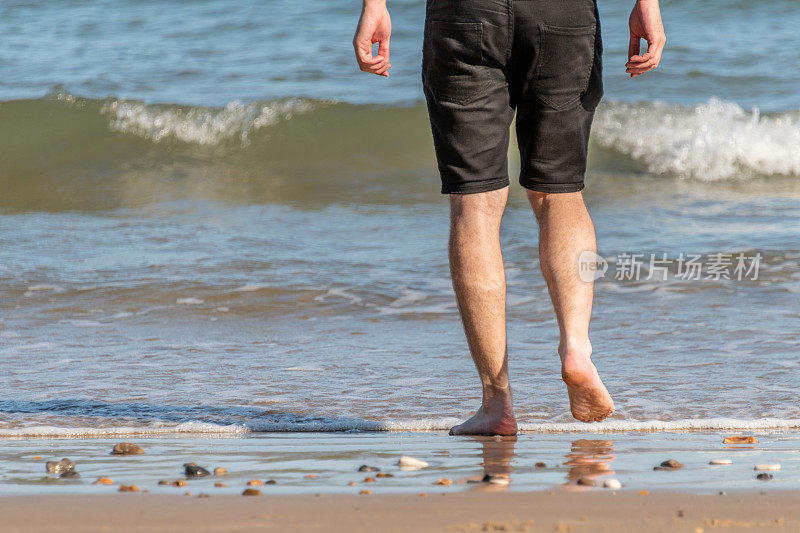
(210,220)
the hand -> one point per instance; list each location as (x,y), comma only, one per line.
(645,23)
(374,26)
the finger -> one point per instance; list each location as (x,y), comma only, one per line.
(364,51)
(384,71)
(374,62)
(640,59)
(633,46)
(383,48)
(376,67)
(647,65)
(638,71)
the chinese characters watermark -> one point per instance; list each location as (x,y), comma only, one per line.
(659,267)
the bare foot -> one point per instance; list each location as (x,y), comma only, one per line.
(588,398)
(495,417)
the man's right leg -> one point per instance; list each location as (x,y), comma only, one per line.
(476,267)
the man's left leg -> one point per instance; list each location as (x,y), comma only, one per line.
(566,230)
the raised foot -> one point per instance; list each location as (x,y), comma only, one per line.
(588,398)
(495,417)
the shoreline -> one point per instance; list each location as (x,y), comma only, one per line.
(347,463)
(472,511)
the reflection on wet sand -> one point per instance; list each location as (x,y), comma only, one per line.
(589,459)
(497,453)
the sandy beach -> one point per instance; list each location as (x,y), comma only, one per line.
(488,511)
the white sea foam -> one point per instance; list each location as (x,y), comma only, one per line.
(188,301)
(252,287)
(206,126)
(183,428)
(441,424)
(711,141)
(43,287)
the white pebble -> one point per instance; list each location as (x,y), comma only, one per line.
(411,463)
(499,480)
(768,467)
(720,462)
(612,484)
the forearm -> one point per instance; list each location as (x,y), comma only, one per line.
(374,3)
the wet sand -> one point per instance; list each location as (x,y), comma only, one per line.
(488,511)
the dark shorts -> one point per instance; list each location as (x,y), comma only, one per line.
(484,59)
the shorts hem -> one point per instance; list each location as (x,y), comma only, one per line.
(538,186)
(472,188)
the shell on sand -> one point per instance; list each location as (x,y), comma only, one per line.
(720,462)
(612,484)
(411,463)
(768,467)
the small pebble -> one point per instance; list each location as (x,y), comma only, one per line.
(56,467)
(764,476)
(165,482)
(366,492)
(612,484)
(369,480)
(740,440)
(179,483)
(411,462)
(383,474)
(37,458)
(775,466)
(106,481)
(496,479)
(219,471)
(126,448)
(220,485)
(443,481)
(202,495)
(720,462)
(723,493)
(270,482)
(193,470)
(644,493)
(366,468)
(255,482)
(352,484)
(587,482)
(422,495)
(681,514)
(129,488)
(540,465)
(187,493)
(310,476)
(251,492)
(670,464)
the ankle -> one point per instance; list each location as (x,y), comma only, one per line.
(575,349)
(494,393)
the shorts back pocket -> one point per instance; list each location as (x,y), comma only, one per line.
(452,60)
(562,71)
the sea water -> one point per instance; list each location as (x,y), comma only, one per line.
(212,223)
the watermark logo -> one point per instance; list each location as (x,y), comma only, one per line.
(591,266)
(628,266)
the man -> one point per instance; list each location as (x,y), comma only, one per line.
(482,60)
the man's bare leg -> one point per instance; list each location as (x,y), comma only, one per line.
(479,281)
(566,230)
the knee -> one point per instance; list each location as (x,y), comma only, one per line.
(544,202)
(484,206)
